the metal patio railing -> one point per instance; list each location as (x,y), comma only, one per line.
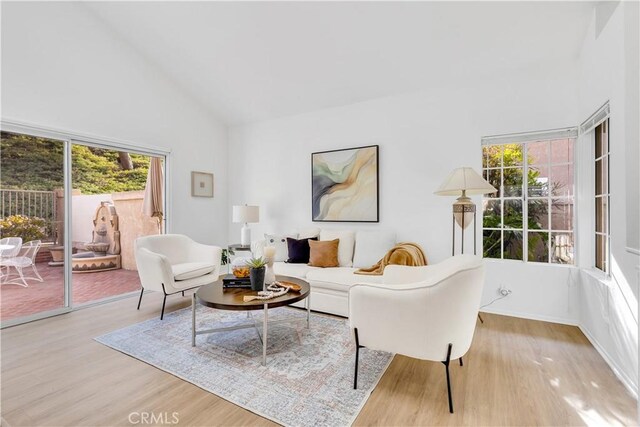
(31,203)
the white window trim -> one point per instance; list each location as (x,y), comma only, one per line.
(525,137)
(10,125)
(595,119)
(607,233)
(587,190)
(510,138)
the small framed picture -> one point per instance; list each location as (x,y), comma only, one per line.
(201,184)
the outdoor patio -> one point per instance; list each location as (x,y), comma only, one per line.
(17,301)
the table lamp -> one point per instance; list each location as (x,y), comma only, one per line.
(246,214)
(463,182)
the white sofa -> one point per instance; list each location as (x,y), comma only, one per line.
(330,286)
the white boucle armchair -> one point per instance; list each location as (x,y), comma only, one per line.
(428,313)
(174,263)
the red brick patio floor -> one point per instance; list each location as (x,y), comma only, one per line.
(17,301)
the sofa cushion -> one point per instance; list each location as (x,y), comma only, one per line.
(292,270)
(323,253)
(298,250)
(189,270)
(371,247)
(340,278)
(345,248)
(279,242)
(308,232)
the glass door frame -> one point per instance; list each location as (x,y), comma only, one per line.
(132,149)
(70,138)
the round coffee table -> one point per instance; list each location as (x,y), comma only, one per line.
(215,296)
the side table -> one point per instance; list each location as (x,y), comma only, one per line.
(237,247)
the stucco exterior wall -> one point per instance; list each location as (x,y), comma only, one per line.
(133,224)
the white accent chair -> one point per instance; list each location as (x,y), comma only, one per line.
(174,263)
(428,313)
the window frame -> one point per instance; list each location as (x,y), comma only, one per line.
(69,138)
(606,233)
(524,140)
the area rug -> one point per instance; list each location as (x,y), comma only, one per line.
(308,380)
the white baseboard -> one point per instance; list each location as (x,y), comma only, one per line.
(628,383)
(552,319)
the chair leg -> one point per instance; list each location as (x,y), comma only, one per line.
(22,277)
(164,300)
(461,362)
(446,366)
(6,279)
(140,299)
(35,270)
(182,293)
(355,371)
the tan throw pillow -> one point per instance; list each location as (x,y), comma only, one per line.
(323,253)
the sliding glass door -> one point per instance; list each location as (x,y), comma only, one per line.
(108,214)
(33,207)
(70,211)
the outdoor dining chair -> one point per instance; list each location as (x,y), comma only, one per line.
(9,247)
(24,258)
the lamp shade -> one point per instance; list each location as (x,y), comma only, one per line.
(245,214)
(467,180)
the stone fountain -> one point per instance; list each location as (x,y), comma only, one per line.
(103,252)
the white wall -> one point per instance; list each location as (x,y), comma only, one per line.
(62,68)
(609,72)
(632,124)
(422,137)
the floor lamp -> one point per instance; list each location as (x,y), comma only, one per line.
(463,182)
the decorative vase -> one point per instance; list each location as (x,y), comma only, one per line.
(269,275)
(256,276)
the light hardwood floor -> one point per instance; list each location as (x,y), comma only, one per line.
(518,372)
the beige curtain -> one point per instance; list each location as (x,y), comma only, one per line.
(152,204)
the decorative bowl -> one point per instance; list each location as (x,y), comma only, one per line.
(240,271)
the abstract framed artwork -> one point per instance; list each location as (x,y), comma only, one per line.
(345,185)
(201,184)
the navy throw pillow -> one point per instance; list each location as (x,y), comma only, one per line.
(298,250)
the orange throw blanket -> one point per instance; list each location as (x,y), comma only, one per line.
(401,254)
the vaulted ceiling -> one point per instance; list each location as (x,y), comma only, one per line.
(250,61)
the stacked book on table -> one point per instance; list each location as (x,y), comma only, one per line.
(230,281)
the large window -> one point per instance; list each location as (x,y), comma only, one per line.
(531,217)
(602,196)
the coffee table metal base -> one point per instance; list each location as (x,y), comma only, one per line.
(265,325)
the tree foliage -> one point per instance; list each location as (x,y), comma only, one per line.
(511,158)
(30,163)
